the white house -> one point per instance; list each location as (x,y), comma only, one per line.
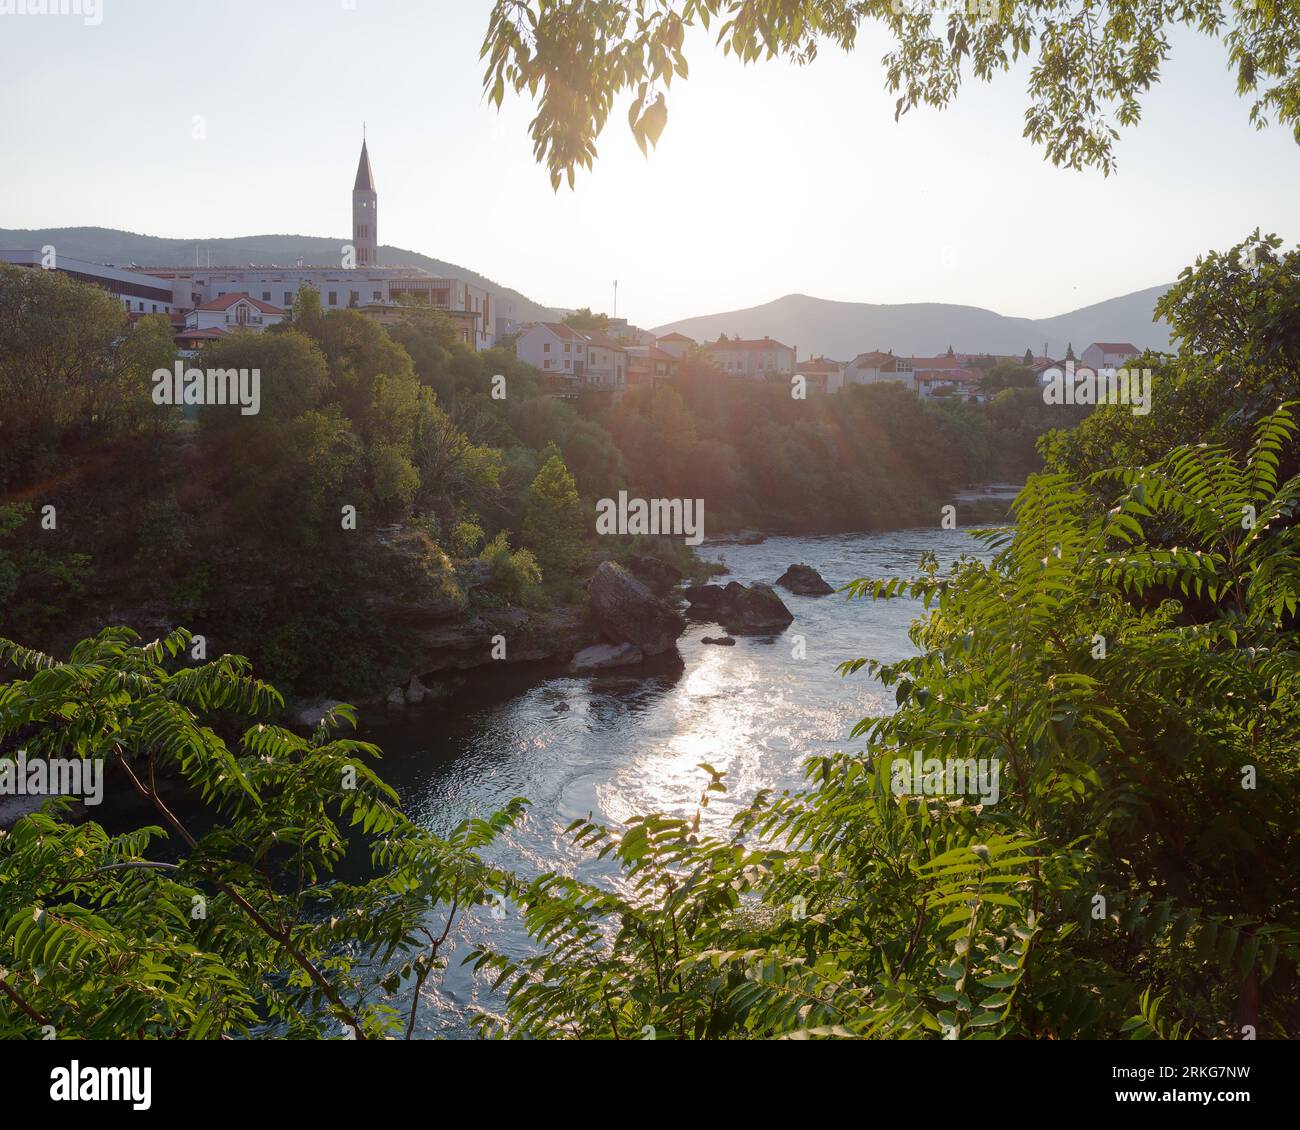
(1108,355)
(554,348)
(234,312)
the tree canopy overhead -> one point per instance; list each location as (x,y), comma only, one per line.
(1091,60)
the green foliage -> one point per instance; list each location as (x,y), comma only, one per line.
(1124,882)
(248,930)
(1134,873)
(515,573)
(586,322)
(636,48)
(466,538)
(555,524)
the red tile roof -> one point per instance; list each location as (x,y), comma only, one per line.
(872,360)
(568,333)
(677,337)
(818,365)
(226,301)
(747,343)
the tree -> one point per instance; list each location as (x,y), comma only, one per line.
(1069,352)
(1029,356)
(584,321)
(308,314)
(637,47)
(555,525)
(247,925)
(1111,870)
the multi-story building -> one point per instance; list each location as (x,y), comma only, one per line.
(357,281)
(676,344)
(555,349)
(606,362)
(648,364)
(139,293)
(754,359)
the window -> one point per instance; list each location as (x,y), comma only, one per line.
(288,298)
(266,296)
(546,349)
(546,365)
(566,347)
(334,298)
(378,295)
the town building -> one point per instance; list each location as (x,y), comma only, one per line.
(607,362)
(649,365)
(953,382)
(877,367)
(822,374)
(139,293)
(753,359)
(555,349)
(235,312)
(676,344)
(357,282)
(1108,355)
(365,213)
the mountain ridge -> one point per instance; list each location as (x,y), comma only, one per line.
(841,329)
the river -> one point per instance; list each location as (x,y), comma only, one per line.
(616,745)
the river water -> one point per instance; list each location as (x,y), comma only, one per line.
(617,745)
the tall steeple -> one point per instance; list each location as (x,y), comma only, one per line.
(365,212)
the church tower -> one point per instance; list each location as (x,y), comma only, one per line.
(365,213)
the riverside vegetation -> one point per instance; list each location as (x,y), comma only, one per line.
(1128,655)
(468,508)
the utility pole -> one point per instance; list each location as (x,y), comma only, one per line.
(615,314)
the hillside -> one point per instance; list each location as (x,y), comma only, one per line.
(844,329)
(108,245)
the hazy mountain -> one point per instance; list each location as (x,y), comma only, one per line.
(844,329)
(120,248)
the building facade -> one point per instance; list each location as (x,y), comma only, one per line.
(754,359)
(876,367)
(1108,355)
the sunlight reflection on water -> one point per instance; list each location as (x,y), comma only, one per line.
(615,746)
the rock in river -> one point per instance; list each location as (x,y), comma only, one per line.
(740,608)
(628,612)
(804,580)
(604,656)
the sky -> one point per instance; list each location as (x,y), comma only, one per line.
(769,180)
